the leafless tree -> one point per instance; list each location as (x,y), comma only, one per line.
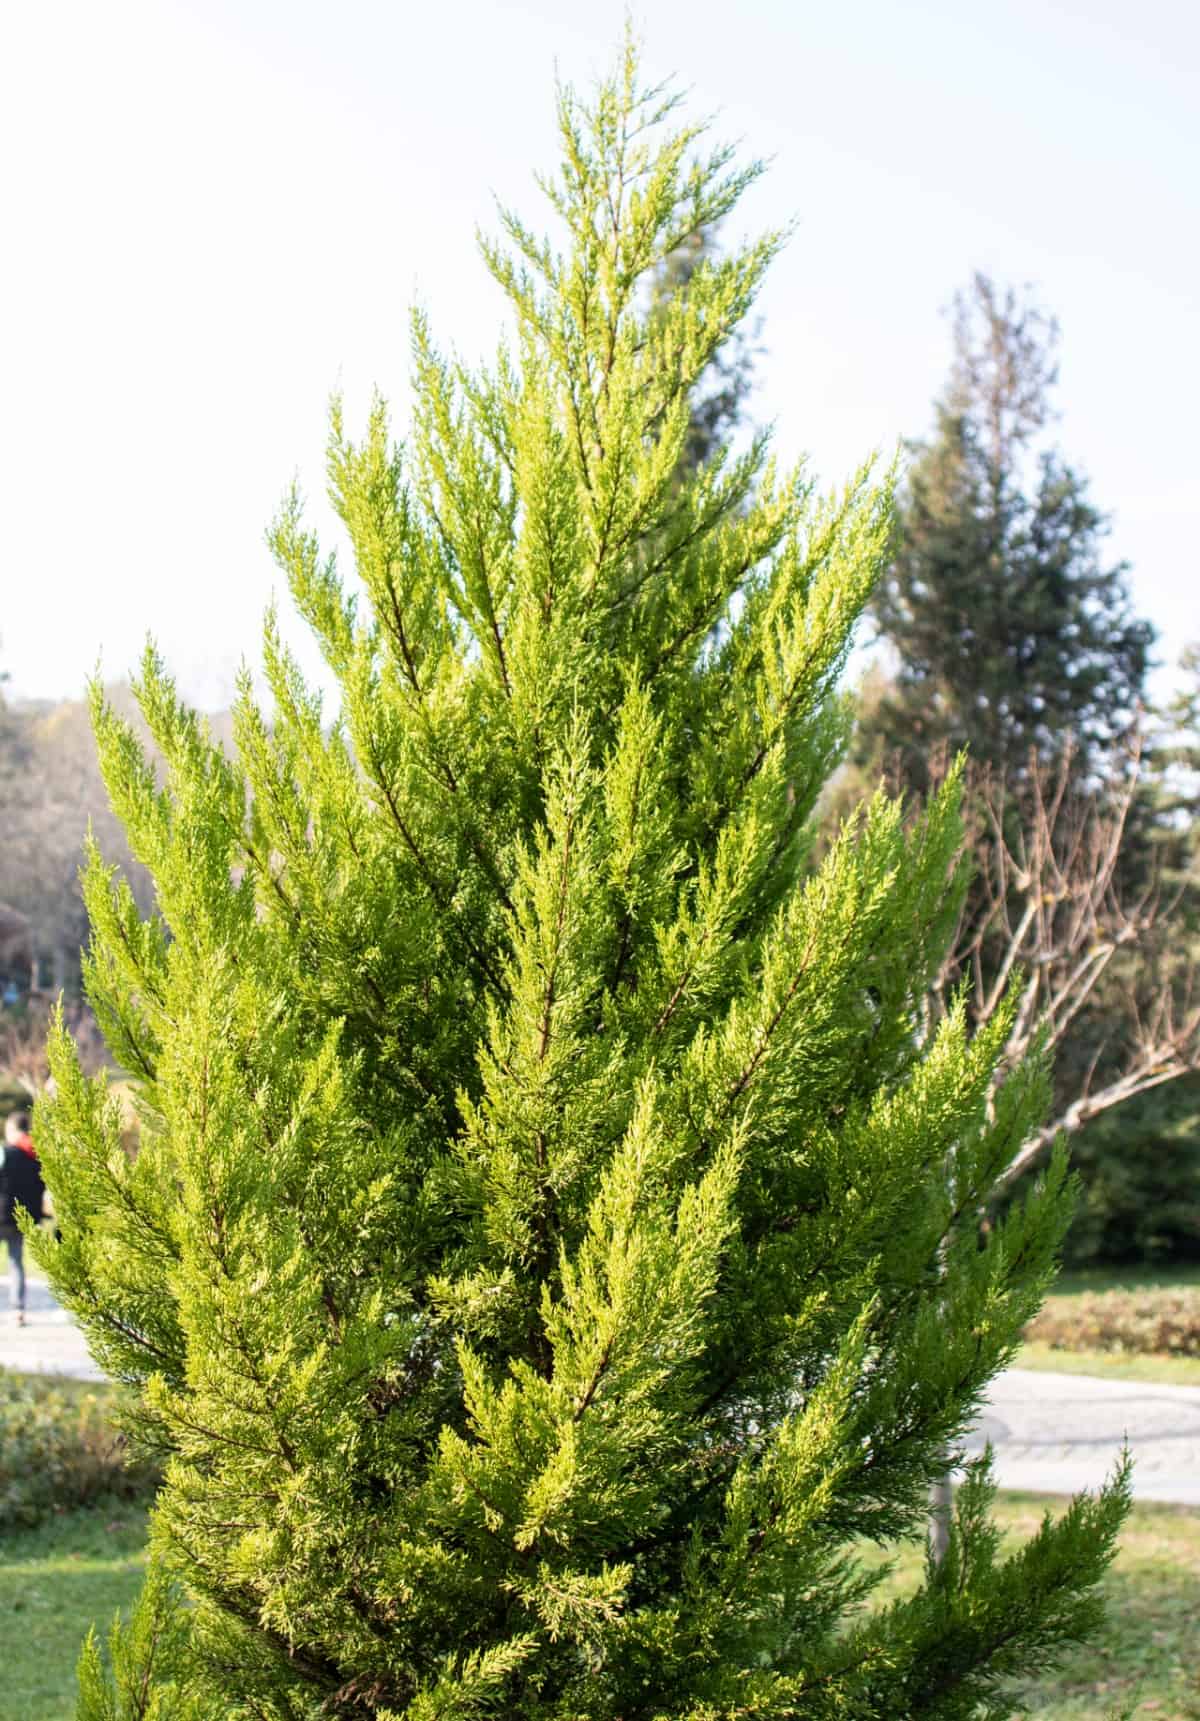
(1053,911)
(24,1065)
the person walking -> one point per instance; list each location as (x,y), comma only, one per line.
(21,1185)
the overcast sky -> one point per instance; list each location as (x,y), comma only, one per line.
(216,211)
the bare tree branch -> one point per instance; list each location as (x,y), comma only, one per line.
(1054,913)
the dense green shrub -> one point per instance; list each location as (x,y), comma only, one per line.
(1150,1322)
(60,1447)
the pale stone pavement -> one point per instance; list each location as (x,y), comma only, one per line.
(50,1343)
(1058,1433)
(1051,1433)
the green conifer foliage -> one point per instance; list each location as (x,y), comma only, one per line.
(541,1262)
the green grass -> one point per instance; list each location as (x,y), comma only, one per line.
(55,1581)
(1074,1284)
(78,1569)
(1112,1365)
(1147,1658)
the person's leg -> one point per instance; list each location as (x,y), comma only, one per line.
(16,1262)
(17,1250)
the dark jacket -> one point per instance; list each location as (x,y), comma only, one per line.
(20,1185)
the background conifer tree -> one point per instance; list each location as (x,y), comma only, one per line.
(541,1263)
(1010,630)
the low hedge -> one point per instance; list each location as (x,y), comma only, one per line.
(60,1447)
(1148,1322)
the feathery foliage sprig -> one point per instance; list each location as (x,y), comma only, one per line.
(545,1257)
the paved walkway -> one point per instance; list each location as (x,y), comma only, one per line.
(51,1343)
(1052,1433)
(1058,1433)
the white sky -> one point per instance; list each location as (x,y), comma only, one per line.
(216,211)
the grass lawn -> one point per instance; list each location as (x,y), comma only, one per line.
(1074,1284)
(1146,1662)
(1113,1365)
(55,1581)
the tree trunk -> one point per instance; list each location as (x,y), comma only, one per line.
(941,1506)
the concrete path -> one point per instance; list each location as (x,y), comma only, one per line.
(50,1342)
(1059,1433)
(1051,1433)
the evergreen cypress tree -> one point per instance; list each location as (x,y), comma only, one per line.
(541,1261)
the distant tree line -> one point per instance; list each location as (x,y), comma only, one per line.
(51,795)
